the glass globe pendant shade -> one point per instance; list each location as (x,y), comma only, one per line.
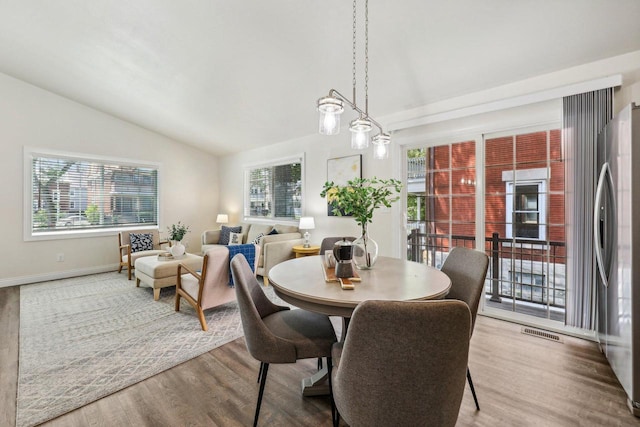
(330,109)
(360,129)
(381,146)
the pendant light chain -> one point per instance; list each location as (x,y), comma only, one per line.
(354,52)
(331,107)
(366,57)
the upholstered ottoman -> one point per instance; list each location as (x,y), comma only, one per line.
(160,274)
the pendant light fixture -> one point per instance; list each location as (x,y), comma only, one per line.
(332,106)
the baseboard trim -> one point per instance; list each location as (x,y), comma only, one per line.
(44,277)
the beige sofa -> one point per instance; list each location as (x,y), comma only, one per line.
(274,248)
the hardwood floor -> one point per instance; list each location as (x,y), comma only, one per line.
(520,381)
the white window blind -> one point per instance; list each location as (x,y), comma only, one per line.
(69,193)
(274,191)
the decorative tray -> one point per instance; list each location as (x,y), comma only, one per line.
(330,273)
(166,256)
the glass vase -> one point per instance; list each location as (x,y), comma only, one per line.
(365,251)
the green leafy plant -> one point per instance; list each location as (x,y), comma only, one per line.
(177,231)
(93,214)
(361,197)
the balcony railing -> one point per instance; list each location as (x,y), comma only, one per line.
(522,271)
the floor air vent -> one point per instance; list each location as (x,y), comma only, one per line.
(542,334)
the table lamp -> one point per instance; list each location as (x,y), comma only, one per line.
(306,223)
(222,218)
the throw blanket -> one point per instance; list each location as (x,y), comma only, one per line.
(249,252)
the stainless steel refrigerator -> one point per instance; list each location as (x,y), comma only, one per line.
(617,249)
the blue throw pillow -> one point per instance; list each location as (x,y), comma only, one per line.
(141,242)
(272,232)
(225,232)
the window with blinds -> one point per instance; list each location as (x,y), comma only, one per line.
(274,190)
(69,194)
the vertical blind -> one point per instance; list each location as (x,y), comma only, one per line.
(584,116)
(72,194)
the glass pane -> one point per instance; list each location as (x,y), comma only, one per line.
(463,234)
(499,151)
(556,210)
(495,179)
(463,181)
(555,145)
(526,198)
(438,157)
(527,275)
(82,194)
(437,208)
(463,155)
(463,208)
(531,147)
(556,183)
(438,182)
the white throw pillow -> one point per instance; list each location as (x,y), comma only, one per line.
(235,238)
(259,237)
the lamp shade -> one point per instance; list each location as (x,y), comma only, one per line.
(360,129)
(381,146)
(222,218)
(306,223)
(330,109)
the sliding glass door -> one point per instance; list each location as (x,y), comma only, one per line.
(521,205)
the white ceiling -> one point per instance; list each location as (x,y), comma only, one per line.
(229,75)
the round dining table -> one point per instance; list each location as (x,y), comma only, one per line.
(301,282)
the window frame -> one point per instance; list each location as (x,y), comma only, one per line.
(537,176)
(276,162)
(29,153)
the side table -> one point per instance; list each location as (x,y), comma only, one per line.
(301,251)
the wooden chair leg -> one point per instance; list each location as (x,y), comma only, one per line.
(177,306)
(473,390)
(263,380)
(156,294)
(265,280)
(203,321)
(129,271)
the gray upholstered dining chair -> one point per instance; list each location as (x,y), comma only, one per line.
(467,269)
(402,363)
(276,334)
(328,242)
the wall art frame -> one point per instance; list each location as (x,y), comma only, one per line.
(340,171)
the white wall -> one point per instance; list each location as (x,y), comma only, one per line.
(318,149)
(33,117)
(387,225)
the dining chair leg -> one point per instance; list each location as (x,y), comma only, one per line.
(265,368)
(473,390)
(319,363)
(260,372)
(335,417)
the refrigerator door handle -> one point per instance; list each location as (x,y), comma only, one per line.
(605,173)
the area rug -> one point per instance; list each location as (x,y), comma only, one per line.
(87,337)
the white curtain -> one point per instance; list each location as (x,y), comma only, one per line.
(584,116)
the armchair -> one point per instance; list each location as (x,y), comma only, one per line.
(127,256)
(209,287)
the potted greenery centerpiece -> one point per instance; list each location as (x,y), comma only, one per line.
(360,198)
(176,234)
